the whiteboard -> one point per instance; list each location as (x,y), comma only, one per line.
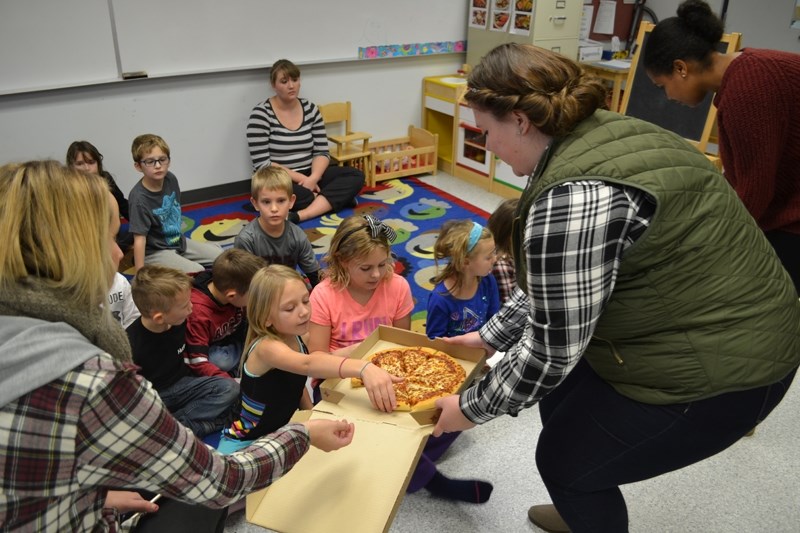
(47,44)
(164,38)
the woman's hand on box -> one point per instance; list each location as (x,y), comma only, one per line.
(329,435)
(471,340)
(378,383)
(451,418)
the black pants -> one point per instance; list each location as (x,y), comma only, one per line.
(787,246)
(175,516)
(594,440)
(339,185)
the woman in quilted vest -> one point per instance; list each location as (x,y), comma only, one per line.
(648,338)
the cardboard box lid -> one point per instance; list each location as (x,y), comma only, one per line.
(360,487)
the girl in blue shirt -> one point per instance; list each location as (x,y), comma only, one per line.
(466,294)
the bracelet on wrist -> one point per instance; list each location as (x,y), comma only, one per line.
(340,367)
(361,372)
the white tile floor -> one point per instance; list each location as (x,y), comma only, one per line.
(754,486)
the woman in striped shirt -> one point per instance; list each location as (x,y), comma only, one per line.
(287,131)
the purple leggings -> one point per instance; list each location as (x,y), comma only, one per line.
(426,467)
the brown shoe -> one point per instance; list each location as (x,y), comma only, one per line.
(547,518)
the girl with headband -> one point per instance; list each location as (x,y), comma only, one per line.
(466,294)
(360,291)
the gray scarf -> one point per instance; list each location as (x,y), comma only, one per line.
(35,299)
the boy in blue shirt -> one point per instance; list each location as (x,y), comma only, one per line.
(155,213)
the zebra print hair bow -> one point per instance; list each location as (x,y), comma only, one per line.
(375,227)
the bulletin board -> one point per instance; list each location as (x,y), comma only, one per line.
(644,100)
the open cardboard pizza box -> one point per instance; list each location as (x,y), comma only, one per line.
(360,487)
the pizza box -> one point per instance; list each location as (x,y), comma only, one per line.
(361,486)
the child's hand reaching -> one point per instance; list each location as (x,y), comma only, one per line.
(329,435)
(471,339)
(378,383)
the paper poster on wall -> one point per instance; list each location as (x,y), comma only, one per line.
(586,22)
(606,15)
(499,20)
(523,11)
(477,14)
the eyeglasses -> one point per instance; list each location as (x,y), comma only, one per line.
(152,162)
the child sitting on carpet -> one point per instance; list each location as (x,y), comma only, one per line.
(270,235)
(158,341)
(277,362)
(360,291)
(83,155)
(465,295)
(500,224)
(216,327)
(155,209)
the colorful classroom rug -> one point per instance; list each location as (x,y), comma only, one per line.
(414,209)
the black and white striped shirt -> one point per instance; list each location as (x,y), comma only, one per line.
(272,142)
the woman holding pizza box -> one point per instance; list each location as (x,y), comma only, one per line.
(635,324)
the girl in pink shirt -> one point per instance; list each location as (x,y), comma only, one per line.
(358,292)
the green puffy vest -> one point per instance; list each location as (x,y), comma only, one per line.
(701,304)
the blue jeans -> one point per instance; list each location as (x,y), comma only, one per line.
(226,357)
(204,404)
(594,440)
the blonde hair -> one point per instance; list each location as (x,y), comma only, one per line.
(55,223)
(453,242)
(144,144)
(233,269)
(553,91)
(350,243)
(271,178)
(263,299)
(154,288)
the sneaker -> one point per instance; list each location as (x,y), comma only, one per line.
(547,518)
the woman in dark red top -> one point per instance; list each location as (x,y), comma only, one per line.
(758,117)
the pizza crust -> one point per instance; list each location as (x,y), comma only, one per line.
(429,375)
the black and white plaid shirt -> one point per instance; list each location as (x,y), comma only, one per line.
(574,240)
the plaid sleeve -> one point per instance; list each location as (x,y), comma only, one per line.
(126,437)
(574,239)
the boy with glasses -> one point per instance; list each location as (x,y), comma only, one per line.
(155,209)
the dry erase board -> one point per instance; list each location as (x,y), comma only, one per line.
(644,100)
(176,37)
(47,44)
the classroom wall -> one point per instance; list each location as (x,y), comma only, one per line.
(763,24)
(203,117)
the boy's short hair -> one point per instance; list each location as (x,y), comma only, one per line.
(271,179)
(155,287)
(234,268)
(143,144)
